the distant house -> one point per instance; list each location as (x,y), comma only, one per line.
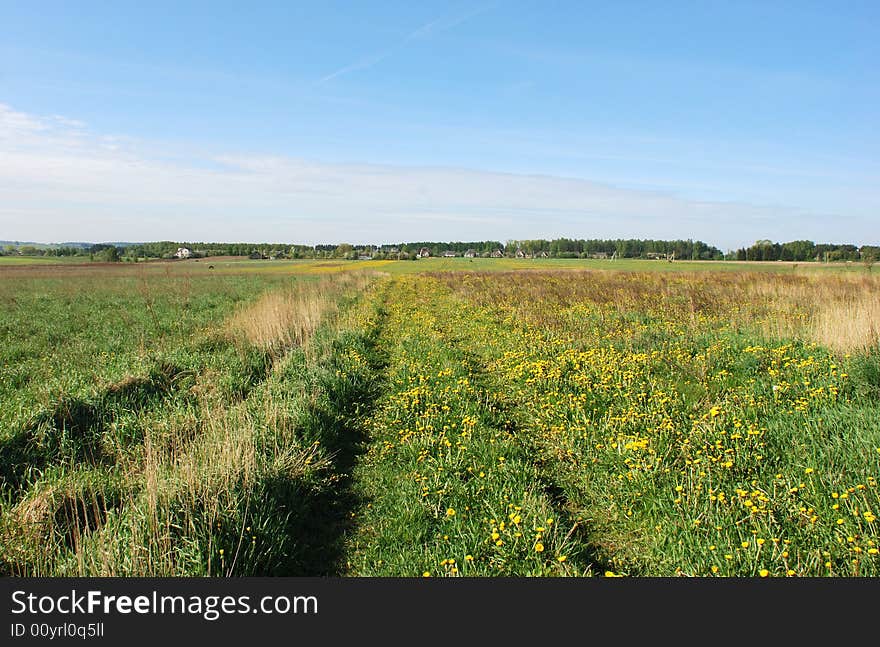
(655,256)
(542,254)
(256,256)
(497,254)
(449,254)
(520,253)
(471,253)
(599,255)
(424,252)
(183,252)
(365,257)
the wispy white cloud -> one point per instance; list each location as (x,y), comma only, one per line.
(446,23)
(362,64)
(59,181)
(430,28)
(14,124)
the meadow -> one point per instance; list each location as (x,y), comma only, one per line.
(444,417)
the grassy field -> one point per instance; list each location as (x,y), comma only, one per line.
(239,264)
(444,417)
(30,260)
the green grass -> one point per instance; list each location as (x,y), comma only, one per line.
(659,443)
(626,264)
(31,260)
(449,417)
(121,375)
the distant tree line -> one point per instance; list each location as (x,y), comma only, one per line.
(167,249)
(436,248)
(762,250)
(103,252)
(623,248)
(807,250)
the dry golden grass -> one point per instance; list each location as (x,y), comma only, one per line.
(840,311)
(281,319)
(849,325)
(287,317)
(70,509)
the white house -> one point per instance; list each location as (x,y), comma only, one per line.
(183,252)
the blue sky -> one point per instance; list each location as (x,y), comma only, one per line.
(372,122)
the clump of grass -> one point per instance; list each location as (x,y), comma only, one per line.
(57,517)
(287,317)
(849,325)
(282,318)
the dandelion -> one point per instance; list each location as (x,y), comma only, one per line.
(539,547)
(763,572)
(450,512)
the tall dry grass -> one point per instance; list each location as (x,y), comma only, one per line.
(849,325)
(840,311)
(287,317)
(281,319)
